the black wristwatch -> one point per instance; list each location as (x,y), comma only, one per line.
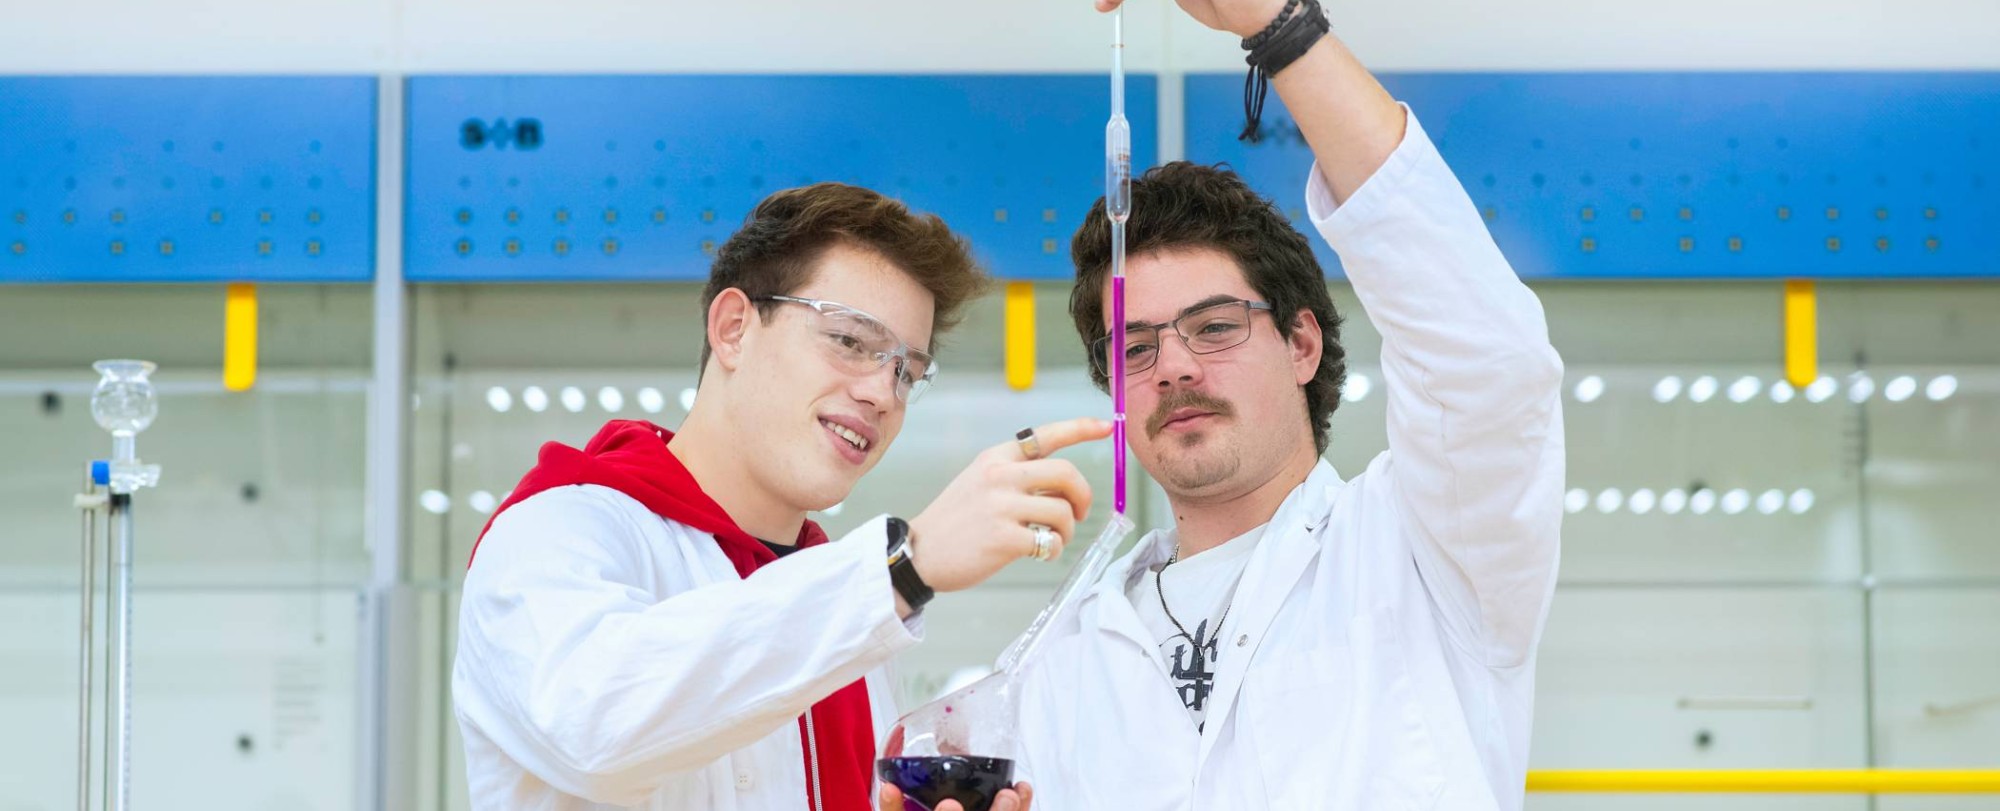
(902,568)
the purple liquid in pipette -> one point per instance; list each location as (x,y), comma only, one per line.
(1118,395)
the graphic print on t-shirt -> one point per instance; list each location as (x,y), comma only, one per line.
(1193,668)
(1184,604)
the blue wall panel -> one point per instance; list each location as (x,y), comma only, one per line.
(111,179)
(551,178)
(1714,175)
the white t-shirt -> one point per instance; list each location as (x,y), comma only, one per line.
(1197,590)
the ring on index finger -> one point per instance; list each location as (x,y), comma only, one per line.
(1030,445)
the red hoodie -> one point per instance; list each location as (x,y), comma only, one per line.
(631,456)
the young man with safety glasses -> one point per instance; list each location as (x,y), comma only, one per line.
(1294,639)
(651,620)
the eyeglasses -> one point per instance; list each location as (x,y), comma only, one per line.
(858,344)
(1204,331)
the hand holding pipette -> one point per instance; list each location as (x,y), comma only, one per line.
(1240,17)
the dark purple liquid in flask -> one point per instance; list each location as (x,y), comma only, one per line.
(927,781)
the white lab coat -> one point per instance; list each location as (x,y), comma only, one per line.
(609,658)
(1381,652)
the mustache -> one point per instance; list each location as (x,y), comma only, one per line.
(1185,398)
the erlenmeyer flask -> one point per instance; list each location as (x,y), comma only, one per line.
(962,746)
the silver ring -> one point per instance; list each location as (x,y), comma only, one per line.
(1031,446)
(1045,542)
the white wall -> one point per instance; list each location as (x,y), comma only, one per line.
(146,36)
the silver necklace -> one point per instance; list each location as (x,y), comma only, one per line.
(1162,592)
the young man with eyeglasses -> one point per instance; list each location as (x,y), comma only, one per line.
(1295,640)
(651,621)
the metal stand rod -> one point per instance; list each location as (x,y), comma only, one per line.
(89,658)
(123,403)
(118,769)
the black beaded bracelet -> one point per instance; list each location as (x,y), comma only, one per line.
(1274,49)
(1291,40)
(1271,28)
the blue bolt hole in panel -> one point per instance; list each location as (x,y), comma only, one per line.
(1686,176)
(573,178)
(195,179)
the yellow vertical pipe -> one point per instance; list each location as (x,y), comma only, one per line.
(1018,324)
(239,338)
(1801,332)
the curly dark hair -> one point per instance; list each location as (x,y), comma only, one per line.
(1185,205)
(784,236)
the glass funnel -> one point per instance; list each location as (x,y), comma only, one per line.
(126,403)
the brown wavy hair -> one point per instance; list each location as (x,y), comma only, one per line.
(1185,205)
